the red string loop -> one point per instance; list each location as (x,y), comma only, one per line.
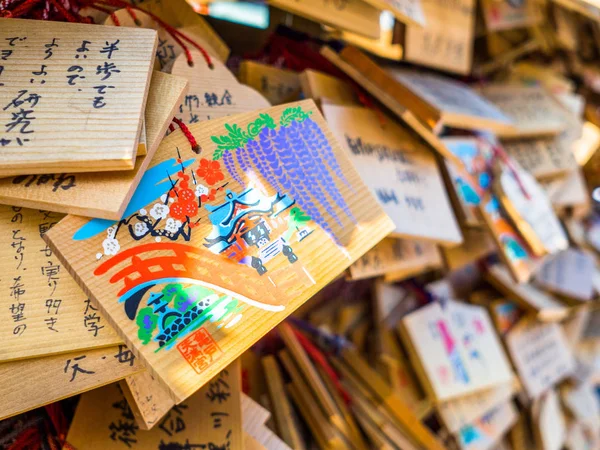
(188,134)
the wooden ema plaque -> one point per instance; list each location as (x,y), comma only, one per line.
(406,11)
(210,419)
(276,85)
(168,49)
(218,248)
(528,296)
(488,429)
(398,258)
(400,171)
(455,349)
(472,192)
(54,378)
(458,105)
(544,158)
(72,96)
(504,15)
(459,413)
(44,310)
(100,194)
(352,15)
(446,42)
(213,92)
(533,110)
(530,209)
(540,353)
(379,83)
(177,13)
(324,88)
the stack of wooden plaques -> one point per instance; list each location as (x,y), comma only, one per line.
(218,240)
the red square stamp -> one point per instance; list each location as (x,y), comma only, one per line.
(199,349)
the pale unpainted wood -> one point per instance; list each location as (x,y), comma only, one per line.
(101,194)
(36,382)
(401,172)
(102,415)
(379,84)
(446,42)
(61,129)
(396,257)
(275,84)
(148,400)
(45,312)
(353,15)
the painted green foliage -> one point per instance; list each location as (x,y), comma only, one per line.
(295,157)
(176,310)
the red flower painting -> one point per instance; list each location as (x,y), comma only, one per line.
(210,171)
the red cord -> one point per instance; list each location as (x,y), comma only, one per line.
(133,15)
(188,134)
(115,19)
(70,14)
(317,356)
(176,34)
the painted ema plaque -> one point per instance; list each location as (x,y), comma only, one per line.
(216,249)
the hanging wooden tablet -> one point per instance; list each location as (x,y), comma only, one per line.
(456,103)
(327,89)
(549,422)
(213,92)
(569,274)
(533,110)
(395,256)
(44,310)
(238,246)
(505,15)
(468,179)
(529,208)
(168,49)
(101,194)
(72,96)
(455,349)
(275,84)
(581,402)
(472,184)
(211,418)
(459,413)
(488,429)
(543,158)
(425,257)
(405,11)
(446,43)
(540,354)
(513,251)
(400,172)
(352,15)
(179,14)
(393,95)
(570,193)
(527,295)
(57,377)
(148,400)
(386,46)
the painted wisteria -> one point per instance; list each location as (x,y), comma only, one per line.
(294,157)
